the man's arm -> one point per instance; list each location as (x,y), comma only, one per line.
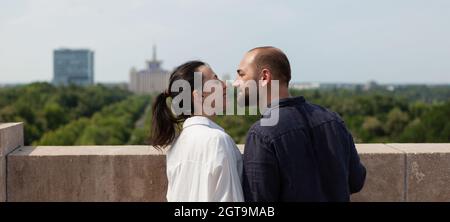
(357,171)
(261,180)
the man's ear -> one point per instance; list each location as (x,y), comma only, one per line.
(266,77)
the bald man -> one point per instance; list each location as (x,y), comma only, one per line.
(308,155)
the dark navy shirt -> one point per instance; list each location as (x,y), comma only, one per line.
(308,156)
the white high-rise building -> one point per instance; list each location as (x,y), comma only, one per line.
(152,79)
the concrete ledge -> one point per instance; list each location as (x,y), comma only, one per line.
(11,137)
(427,171)
(385,179)
(109,173)
(395,172)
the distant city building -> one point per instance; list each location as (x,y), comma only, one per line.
(73,66)
(370,85)
(333,86)
(151,79)
(10,85)
(304,85)
(390,87)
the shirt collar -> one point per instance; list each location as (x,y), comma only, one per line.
(201,120)
(283,102)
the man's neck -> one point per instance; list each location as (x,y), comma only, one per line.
(283,93)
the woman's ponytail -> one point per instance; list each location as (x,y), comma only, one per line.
(163,130)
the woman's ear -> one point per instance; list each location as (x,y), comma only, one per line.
(196,95)
(197,100)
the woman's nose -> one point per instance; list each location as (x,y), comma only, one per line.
(236,83)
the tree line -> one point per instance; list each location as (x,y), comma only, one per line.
(100,115)
(43,107)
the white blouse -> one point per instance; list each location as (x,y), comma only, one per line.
(204,164)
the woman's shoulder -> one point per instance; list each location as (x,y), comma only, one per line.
(203,144)
(205,132)
(204,137)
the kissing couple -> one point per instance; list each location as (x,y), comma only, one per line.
(304,153)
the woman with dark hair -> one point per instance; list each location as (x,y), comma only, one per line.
(203,162)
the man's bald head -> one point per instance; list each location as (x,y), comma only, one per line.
(268,57)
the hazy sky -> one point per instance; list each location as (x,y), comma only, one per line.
(390,41)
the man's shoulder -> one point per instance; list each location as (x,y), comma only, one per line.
(255,129)
(317,115)
(286,123)
(306,115)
